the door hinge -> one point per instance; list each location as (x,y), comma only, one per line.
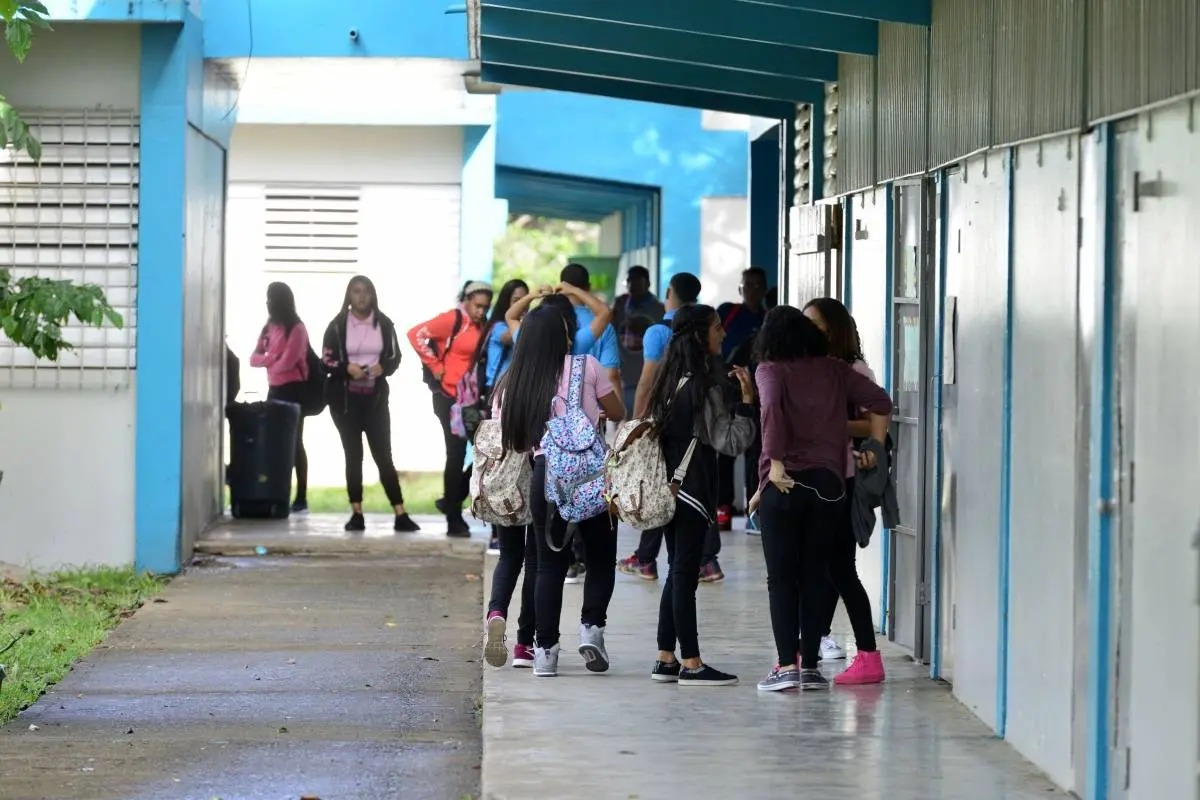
(1149,188)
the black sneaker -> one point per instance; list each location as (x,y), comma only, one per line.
(457,528)
(576,572)
(300,507)
(811,679)
(404,524)
(704,675)
(357,523)
(665,672)
(440,505)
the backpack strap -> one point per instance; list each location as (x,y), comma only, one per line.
(682,469)
(733,312)
(458,326)
(575,387)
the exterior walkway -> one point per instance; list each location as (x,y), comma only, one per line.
(621,736)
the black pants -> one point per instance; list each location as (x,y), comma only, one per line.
(517,546)
(725,469)
(367,414)
(294,393)
(455,482)
(797,529)
(600,552)
(685,538)
(650,545)
(844,581)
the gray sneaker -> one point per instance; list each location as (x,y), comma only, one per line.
(780,680)
(812,679)
(591,647)
(545,662)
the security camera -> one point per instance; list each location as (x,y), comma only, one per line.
(354,34)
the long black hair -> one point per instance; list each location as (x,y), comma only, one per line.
(687,354)
(562,304)
(840,329)
(503,303)
(532,379)
(369,285)
(281,306)
(786,334)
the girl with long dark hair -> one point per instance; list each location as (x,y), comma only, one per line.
(695,422)
(361,351)
(535,387)
(496,344)
(283,350)
(835,322)
(801,498)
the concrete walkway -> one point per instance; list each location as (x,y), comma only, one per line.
(621,736)
(271,678)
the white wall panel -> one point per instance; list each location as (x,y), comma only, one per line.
(976,277)
(1045,470)
(345,154)
(1164,710)
(869,297)
(67,492)
(80,65)
(724,247)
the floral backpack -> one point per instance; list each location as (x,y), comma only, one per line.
(467,412)
(500,481)
(640,492)
(575,452)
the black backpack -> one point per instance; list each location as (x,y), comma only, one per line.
(314,387)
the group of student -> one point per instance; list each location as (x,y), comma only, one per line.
(805,394)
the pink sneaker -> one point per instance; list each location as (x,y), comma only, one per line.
(495,650)
(867,668)
(522,656)
(631,566)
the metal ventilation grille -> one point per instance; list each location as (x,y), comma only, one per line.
(830,162)
(802,190)
(74,216)
(311,229)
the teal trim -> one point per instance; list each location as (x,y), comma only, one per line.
(766,164)
(1006,434)
(675,46)
(629,90)
(158,447)
(578,61)
(888,363)
(570,197)
(848,253)
(912,12)
(116,10)
(1100,473)
(939,349)
(770,24)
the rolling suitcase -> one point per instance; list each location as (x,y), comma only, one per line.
(262,453)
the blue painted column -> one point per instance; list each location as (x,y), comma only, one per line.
(1006,434)
(479,216)
(765,182)
(158,449)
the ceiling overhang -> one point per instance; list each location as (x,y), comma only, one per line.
(546,194)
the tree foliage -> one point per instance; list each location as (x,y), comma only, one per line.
(536,249)
(33,310)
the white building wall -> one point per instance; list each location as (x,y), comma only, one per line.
(67,496)
(724,247)
(409,184)
(1045,469)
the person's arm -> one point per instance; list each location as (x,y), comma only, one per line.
(295,348)
(495,354)
(608,397)
(503,334)
(512,318)
(437,329)
(774,426)
(260,357)
(603,314)
(861,428)
(654,348)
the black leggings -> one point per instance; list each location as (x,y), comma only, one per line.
(651,541)
(294,393)
(455,482)
(600,552)
(797,528)
(517,545)
(685,537)
(367,414)
(843,581)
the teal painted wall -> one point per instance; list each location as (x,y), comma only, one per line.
(620,140)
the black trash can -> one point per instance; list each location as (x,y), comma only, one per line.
(262,453)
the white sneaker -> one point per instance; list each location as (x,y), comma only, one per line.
(830,651)
(545,662)
(591,647)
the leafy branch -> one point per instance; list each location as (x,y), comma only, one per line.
(20,18)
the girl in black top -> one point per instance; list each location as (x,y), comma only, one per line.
(688,404)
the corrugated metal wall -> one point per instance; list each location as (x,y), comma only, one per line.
(1038,65)
(903,101)
(856,124)
(960,107)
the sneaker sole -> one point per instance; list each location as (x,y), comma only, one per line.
(665,678)
(832,657)
(593,658)
(779,687)
(573,581)
(713,579)
(495,652)
(814,687)
(522,664)
(537,674)
(689,683)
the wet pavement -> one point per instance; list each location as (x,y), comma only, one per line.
(619,735)
(271,677)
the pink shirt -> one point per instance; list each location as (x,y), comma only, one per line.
(364,346)
(862,369)
(596,384)
(284,356)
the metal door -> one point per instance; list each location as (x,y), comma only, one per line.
(912,317)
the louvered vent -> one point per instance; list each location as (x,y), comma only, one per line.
(830,160)
(803,194)
(74,216)
(311,228)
